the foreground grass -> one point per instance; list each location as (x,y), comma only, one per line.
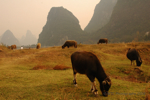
(18,80)
(57,85)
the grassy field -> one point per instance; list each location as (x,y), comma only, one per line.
(29,73)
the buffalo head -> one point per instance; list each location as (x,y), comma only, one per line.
(139,61)
(105,85)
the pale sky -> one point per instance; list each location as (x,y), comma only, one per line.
(21,15)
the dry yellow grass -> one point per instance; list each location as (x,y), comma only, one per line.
(16,65)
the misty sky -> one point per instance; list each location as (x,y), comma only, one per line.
(21,15)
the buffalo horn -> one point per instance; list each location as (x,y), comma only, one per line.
(140,59)
(104,82)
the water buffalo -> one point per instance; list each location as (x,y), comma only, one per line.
(1,50)
(133,54)
(87,63)
(69,43)
(38,46)
(104,40)
(13,46)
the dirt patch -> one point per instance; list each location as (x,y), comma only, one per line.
(137,75)
(138,70)
(38,67)
(147,91)
(129,78)
(44,67)
(61,67)
(134,70)
(147,96)
(143,50)
(134,75)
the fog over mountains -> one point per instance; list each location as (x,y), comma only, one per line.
(28,39)
(117,20)
(9,39)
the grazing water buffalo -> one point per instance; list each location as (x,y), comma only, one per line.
(87,63)
(104,40)
(69,43)
(13,46)
(132,54)
(1,50)
(38,46)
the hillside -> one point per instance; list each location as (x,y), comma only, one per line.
(101,16)
(61,25)
(0,38)
(9,39)
(29,73)
(130,20)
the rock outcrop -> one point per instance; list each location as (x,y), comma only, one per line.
(130,20)
(61,25)
(101,16)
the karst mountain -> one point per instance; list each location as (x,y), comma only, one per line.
(61,25)
(8,39)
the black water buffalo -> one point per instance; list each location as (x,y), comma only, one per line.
(69,43)
(133,54)
(104,40)
(87,63)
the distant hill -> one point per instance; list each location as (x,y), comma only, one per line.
(0,38)
(29,39)
(101,16)
(130,20)
(9,39)
(61,25)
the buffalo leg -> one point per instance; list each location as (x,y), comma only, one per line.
(74,80)
(93,88)
(93,84)
(132,62)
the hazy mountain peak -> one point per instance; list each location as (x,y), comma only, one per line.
(55,12)
(8,33)
(9,39)
(28,33)
(28,39)
(130,20)
(101,16)
(61,25)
